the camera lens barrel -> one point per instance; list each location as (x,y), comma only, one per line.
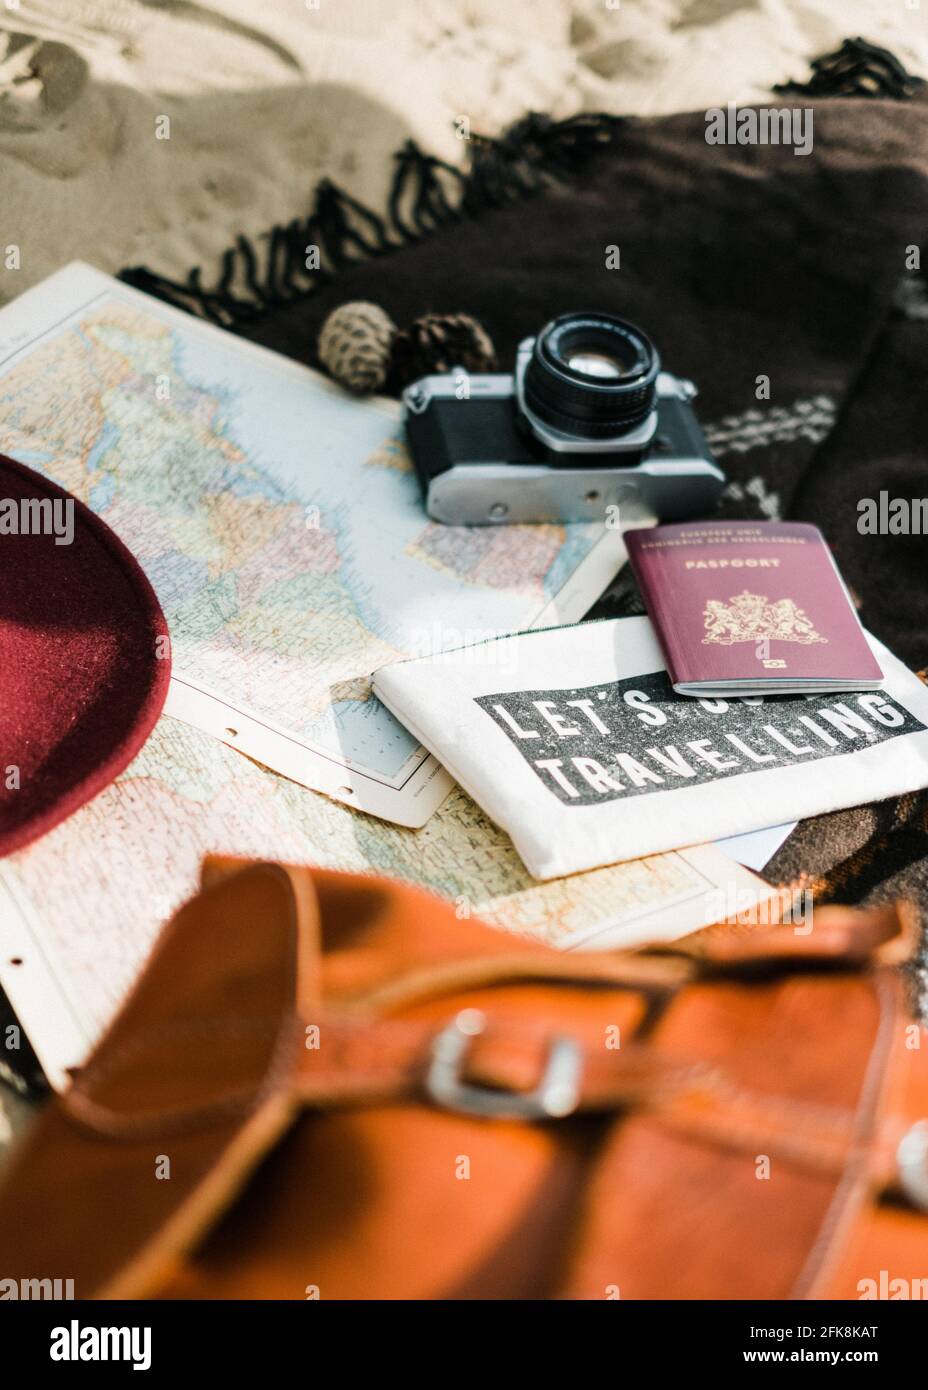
(592,375)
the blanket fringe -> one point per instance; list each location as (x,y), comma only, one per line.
(426,193)
(857,68)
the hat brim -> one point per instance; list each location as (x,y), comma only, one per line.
(85,655)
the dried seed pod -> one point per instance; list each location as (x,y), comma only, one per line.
(356,345)
(437,343)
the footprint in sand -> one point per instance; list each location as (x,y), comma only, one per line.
(39,79)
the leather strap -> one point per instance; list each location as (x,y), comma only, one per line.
(353,1062)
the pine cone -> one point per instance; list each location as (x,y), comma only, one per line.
(355,346)
(437,343)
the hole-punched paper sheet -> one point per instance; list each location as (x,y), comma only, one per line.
(81,907)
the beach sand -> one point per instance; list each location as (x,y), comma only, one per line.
(154,131)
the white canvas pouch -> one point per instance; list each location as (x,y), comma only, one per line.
(573,740)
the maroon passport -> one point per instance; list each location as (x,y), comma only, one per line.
(751,608)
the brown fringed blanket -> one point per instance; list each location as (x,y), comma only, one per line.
(786,283)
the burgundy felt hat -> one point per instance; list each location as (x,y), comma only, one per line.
(84,655)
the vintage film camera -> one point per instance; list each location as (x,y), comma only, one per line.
(588,422)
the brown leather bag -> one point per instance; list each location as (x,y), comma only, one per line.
(326,1085)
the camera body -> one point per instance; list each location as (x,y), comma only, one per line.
(588,422)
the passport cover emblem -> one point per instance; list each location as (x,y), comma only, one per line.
(750,617)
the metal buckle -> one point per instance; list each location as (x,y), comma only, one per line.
(556,1095)
(912,1164)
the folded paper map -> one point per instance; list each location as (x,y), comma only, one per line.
(280,524)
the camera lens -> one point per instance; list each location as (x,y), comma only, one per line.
(592,375)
